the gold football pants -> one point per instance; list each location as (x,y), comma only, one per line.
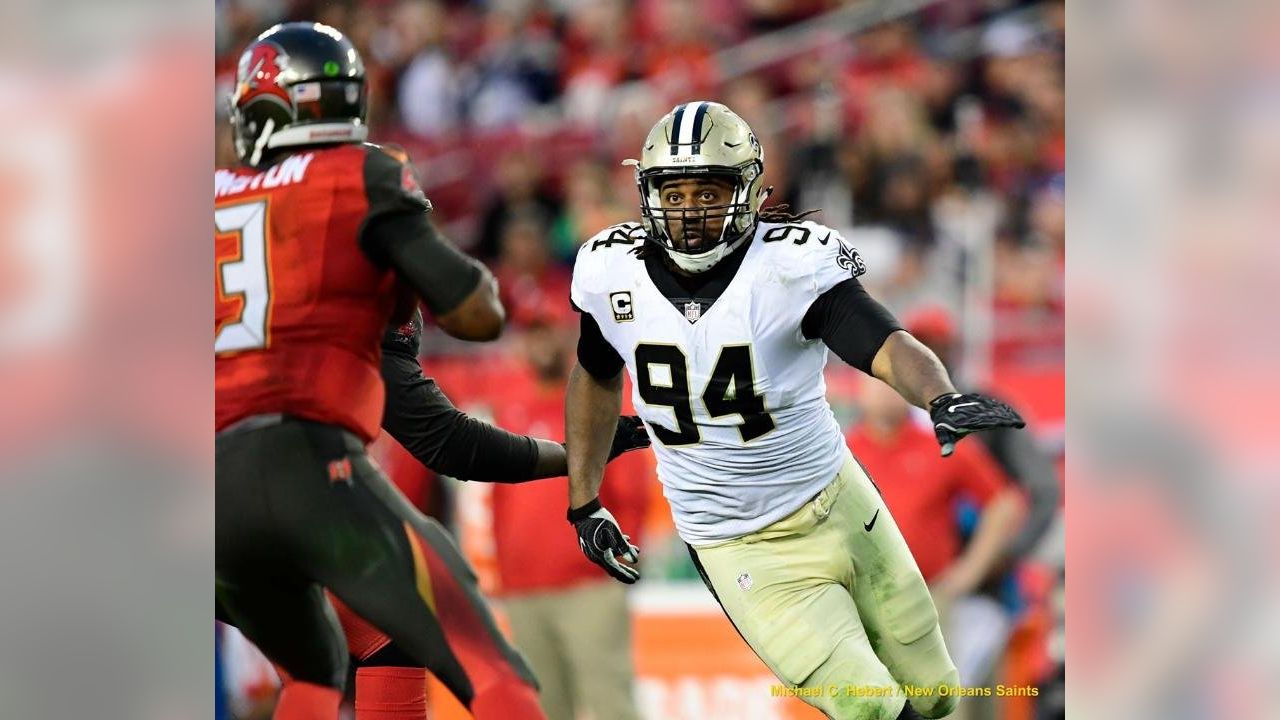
(831,600)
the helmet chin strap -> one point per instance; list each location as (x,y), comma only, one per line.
(703,262)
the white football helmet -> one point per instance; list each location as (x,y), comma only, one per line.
(701,139)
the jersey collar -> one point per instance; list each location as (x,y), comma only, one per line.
(703,288)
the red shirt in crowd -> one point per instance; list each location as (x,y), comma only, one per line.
(921,487)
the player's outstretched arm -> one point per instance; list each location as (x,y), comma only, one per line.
(910,367)
(419,416)
(628,434)
(916,373)
(866,335)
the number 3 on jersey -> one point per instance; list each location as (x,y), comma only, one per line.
(730,391)
(242,275)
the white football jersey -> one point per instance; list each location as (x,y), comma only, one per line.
(733,393)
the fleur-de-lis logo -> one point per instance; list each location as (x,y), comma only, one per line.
(849,259)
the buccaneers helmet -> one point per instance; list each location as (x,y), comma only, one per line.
(298,83)
(701,139)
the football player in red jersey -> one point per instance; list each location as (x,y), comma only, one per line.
(314,239)
(391,685)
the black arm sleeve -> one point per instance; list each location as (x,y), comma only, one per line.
(448,441)
(396,233)
(441,275)
(595,354)
(851,323)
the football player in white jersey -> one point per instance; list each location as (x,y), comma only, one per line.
(723,315)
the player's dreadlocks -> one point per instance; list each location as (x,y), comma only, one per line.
(781,213)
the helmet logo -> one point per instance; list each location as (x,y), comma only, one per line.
(848,259)
(260,70)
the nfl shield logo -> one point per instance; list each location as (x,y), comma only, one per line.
(744,581)
(692,311)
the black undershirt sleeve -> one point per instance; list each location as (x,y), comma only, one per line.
(397,233)
(406,241)
(446,440)
(850,322)
(595,354)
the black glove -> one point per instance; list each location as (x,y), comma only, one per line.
(955,415)
(602,540)
(629,435)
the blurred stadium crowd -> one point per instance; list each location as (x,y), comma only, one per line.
(932,134)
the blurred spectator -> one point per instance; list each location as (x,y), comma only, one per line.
(629,121)
(570,620)
(590,205)
(926,494)
(887,169)
(1011,584)
(515,71)
(527,278)
(430,90)
(1029,307)
(680,59)
(1016,452)
(886,57)
(597,57)
(1022,93)
(521,192)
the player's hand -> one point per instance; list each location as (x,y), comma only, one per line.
(955,415)
(602,541)
(629,435)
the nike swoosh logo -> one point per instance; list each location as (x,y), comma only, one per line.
(953,407)
(872,524)
(732,145)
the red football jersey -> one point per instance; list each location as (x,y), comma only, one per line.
(300,308)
